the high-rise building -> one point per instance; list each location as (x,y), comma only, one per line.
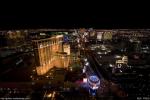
(45,52)
(66,48)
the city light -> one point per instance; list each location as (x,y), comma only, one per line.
(99,53)
(83,70)
(74,63)
(93,82)
(87,63)
(117,56)
(71,69)
(49,95)
(85,80)
(85,59)
(110,65)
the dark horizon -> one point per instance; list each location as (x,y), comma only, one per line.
(74,21)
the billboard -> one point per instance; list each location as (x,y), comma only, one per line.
(92,34)
(107,36)
(99,36)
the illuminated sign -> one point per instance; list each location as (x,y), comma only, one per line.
(93,82)
(99,35)
(85,80)
(107,35)
(42,34)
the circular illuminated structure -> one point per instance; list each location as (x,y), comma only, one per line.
(93,82)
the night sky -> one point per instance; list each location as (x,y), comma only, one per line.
(73,17)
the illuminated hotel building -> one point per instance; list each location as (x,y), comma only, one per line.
(66,48)
(45,52)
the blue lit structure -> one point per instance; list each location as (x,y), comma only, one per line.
(93,83)
(66,39)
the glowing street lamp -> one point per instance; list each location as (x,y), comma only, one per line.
(85,59)
(87,63)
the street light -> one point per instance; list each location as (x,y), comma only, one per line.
(85,59)
(87,63)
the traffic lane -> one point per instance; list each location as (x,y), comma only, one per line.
(99,69)
(89,70)
(93,66)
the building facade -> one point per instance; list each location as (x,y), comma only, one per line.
(45,52)
(66,48)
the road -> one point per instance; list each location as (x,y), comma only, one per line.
(99,71)
(107,86)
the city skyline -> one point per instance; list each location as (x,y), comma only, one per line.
(75,63)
